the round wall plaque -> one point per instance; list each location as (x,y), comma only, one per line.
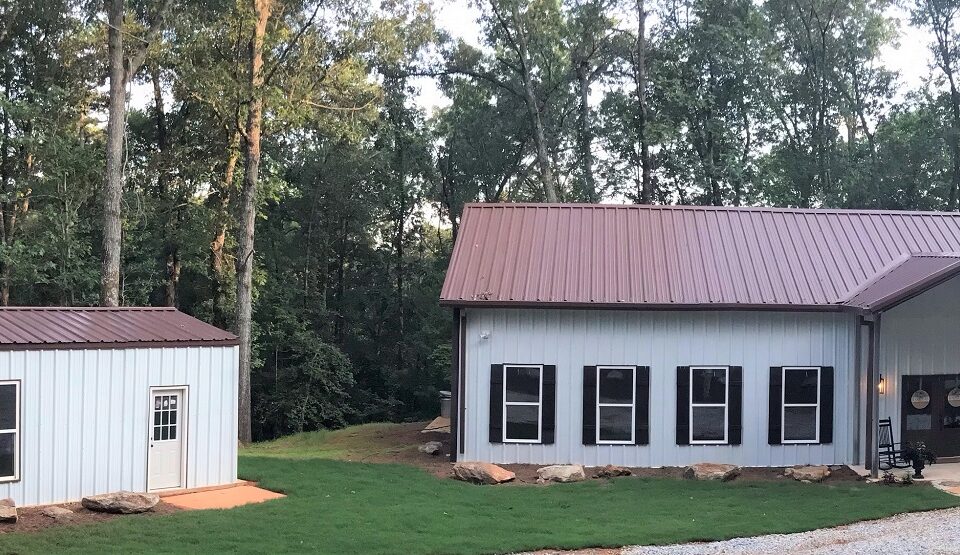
(953,397)
(920,399)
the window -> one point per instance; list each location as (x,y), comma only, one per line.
(709,391)
(616,404)
(801,404)
(522,403)
(9,431)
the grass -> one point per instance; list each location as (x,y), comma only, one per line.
(349,507)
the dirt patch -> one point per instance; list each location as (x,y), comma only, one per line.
(31,520)
(400,445)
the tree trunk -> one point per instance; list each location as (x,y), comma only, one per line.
(640,84)
(584,135)
(113,179)
(248,213)
(954,135)
(533,108)
(218,262)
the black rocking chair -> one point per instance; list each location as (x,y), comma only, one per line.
(890,452)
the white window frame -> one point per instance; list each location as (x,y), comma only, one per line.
(784,404)
(16,434)
(538,404)
(632,405)
(725,405)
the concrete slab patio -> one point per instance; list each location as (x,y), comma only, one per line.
(226,498)
(945,476)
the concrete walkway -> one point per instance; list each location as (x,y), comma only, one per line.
(226,498)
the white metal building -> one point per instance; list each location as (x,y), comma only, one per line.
(96,400)
(664,336)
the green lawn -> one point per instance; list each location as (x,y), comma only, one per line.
(348,507)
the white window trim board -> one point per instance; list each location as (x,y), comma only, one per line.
(538,404)
(15,431)
(725,405)
(784,405)
(632,405)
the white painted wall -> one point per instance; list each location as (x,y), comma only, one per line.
(919,337)
(662,340)
(84,418)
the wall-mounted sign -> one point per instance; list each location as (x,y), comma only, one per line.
(953,397)
(920,399)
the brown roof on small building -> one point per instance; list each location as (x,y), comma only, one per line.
(57,327)
(575,255)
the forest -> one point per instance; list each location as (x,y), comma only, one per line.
(269,166)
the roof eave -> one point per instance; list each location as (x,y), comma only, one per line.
(771,307)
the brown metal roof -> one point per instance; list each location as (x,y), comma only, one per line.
(573,255)
(57,327)
(905,277)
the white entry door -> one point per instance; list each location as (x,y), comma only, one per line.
(165,469)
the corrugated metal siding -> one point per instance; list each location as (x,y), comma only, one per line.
(919,337)
(662,340)
(85,414)
(57,326)
(629,255)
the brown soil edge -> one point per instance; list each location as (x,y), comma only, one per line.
(31,519)
(439,465)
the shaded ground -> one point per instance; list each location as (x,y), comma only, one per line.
(397,443)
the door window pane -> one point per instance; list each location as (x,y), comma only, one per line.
(709,423)
(800,423)
(800,386)
(616,385)
(523,384)
(616,423)
(523,422)
(709,385)
(8,449)
(8,406)
(919,421)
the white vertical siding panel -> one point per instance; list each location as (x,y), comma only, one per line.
(84,418)
(663,341)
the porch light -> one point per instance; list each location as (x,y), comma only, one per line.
(882,386)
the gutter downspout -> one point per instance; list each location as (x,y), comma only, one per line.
(455,386)
(871,460)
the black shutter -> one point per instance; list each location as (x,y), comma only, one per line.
(683,405)
(641,424)
(549,404)
(735,418)
(589,405)
(826,404)
(496,403)
(775,407)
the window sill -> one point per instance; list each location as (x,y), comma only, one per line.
(9,479)
(800,442)
(724,442)
(528,441)
(602,442)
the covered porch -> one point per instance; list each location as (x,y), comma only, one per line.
(910,348)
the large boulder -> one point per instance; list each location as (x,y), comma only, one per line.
(611,471)
(808,473)
(60,514)
(122,502)
(711,471)
(8,511)
(482,473)
(431,448)
(561,473)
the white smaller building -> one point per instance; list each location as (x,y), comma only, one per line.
(96,400)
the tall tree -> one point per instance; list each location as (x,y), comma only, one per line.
(940,17)
(123,66)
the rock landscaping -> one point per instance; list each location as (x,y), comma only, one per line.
(482,473)
(431,448)
(60,514)
(711,471)
(8,511)
(808,473)
(561,473)
(121,502)
(612,471)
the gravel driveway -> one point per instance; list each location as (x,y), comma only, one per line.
(934,532)
(929,533)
